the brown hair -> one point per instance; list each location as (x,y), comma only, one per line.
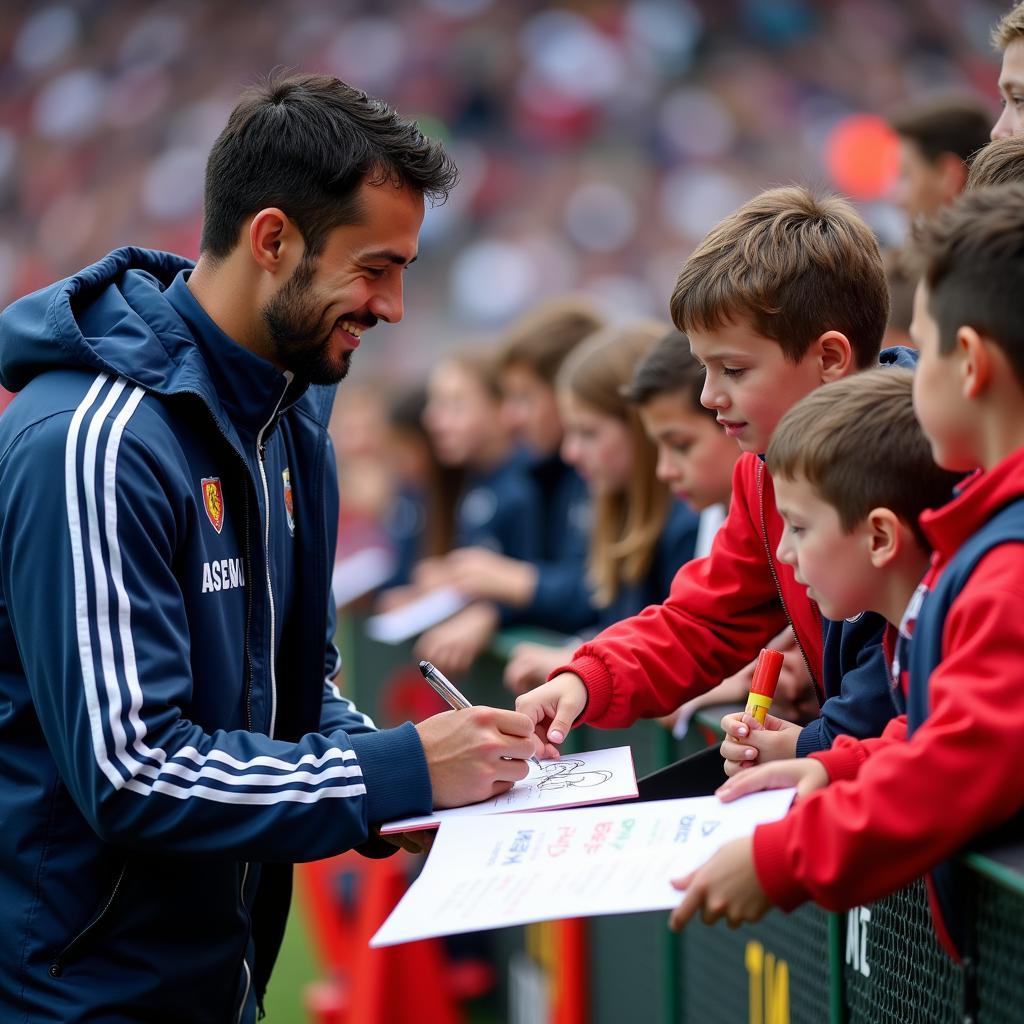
(971,257)
(669,368)
(797,266)
(1001,162)
(946,124)
(1009,27)
(626,526)
(544,336)
(857,442)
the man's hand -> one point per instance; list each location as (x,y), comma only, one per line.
(725,886)
(483,574)
(454,645)
(805,773)
(419,841)
(553,707)
(465,753)
(747,742)
(530,664)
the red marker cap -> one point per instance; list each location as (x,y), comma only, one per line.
(766,672)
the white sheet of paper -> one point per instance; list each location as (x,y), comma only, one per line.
(359,573)
(411,619)
(500,870)
(577,779)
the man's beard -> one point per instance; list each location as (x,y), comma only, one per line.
(293,323)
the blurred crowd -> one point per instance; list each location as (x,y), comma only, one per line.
(597,143)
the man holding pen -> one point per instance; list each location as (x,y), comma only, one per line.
(171,737)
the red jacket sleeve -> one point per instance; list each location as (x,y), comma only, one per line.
(844,758)
(719,613)
(915,803)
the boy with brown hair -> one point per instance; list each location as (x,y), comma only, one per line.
(902,804)
(853,472)
(786,294)
(1008,38)
(1001,162)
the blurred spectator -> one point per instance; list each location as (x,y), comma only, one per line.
(639,535)
(495,504)
(597,143)
(938,136)
(551,591)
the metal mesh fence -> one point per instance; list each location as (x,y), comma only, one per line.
(773,972)
(895,971)
(999,953)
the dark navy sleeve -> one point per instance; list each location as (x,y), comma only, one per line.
(675,548)
(856,680)
(112,681)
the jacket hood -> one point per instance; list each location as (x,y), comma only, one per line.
(111,316)
(114,317)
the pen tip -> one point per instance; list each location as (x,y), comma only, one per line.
(425,667)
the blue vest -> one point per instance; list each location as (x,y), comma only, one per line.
(1006,526)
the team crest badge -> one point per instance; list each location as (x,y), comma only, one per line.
(213,500)
(289,508)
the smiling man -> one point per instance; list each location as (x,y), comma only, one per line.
(171,737)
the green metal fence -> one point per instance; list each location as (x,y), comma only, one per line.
(877,964)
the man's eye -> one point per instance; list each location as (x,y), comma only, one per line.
(732,371)
(374,271)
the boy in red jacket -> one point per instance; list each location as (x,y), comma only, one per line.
(786,294)
(899,805)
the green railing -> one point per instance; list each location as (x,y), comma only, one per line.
(875,964)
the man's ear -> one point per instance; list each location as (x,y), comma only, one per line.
(884,535)
(275,243)
(835,355)
(953,172)
(975,362)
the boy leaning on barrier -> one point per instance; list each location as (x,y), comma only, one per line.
(784,295)
(880,812)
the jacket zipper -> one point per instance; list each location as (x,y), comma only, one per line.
(261,451)
(57,964)
(778,585)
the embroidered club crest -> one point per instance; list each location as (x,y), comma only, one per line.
(289,508)
(213,500)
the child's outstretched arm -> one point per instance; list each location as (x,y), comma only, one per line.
(727,885)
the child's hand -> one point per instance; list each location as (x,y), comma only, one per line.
(726,886)
(553,707)
(805,773)
(747,742)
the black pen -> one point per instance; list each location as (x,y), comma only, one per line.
(451,696)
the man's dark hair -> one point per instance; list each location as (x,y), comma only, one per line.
(948,124)
(971,257)
(669,368)
(305,144)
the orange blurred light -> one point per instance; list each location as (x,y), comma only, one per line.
(863,156)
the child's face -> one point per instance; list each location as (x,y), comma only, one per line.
(695,458)
(835,565)
(940,407)
(749,382)
(1011,91)
(530,409)
(598,445)
(461,416)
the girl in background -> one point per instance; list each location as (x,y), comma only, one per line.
(639,534)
